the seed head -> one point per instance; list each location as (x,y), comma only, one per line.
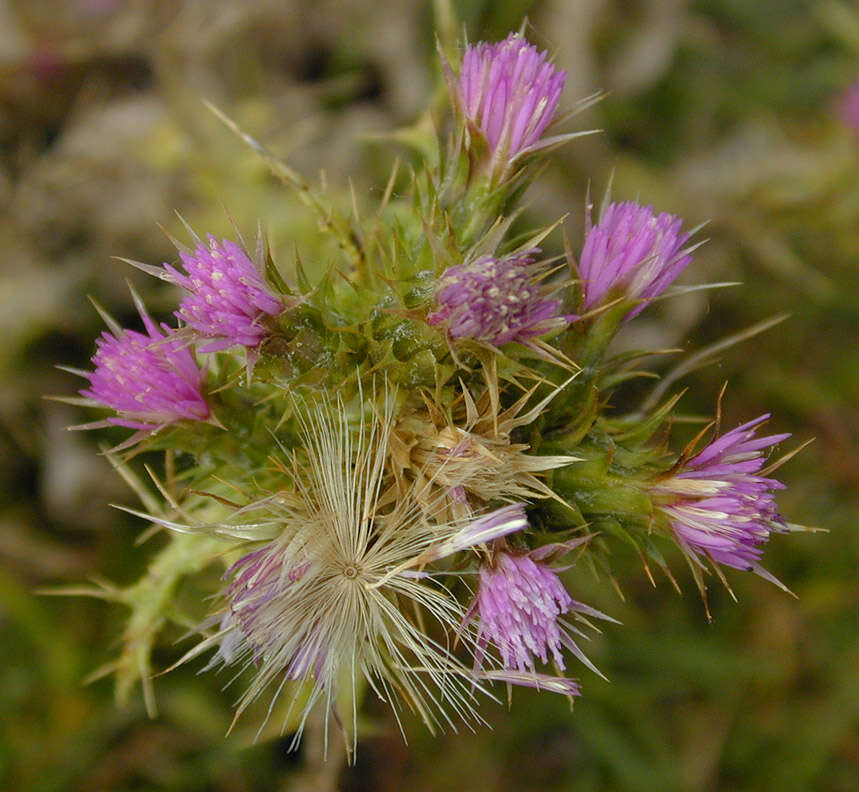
(331,593)
(461,460)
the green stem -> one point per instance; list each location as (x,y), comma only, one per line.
(150,600)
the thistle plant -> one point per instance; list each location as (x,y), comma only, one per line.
(402,463)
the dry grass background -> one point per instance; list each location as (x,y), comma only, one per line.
(717,109)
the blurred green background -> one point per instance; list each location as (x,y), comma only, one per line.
(719,110)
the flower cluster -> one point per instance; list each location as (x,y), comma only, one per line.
(391,452)
(153,380)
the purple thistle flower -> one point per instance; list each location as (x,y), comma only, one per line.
(720,508)
(496,300)
(632,249)
(150,379)
(510,91)
(520,604)
(228,296)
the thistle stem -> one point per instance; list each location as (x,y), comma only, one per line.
(325,755)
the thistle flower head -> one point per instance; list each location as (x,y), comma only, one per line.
(510,91)
(150,379)
(634,250)
(228,297)
(719,507)
(331,593)
(496,300)
(520,606)
(519,602)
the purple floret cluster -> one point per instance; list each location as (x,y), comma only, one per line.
(632,250)
(510,91)
(150,379)
(519,601)
(722,508)
(228,297)
(154,380)
(495,300)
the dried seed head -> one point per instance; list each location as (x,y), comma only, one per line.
(333,595)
